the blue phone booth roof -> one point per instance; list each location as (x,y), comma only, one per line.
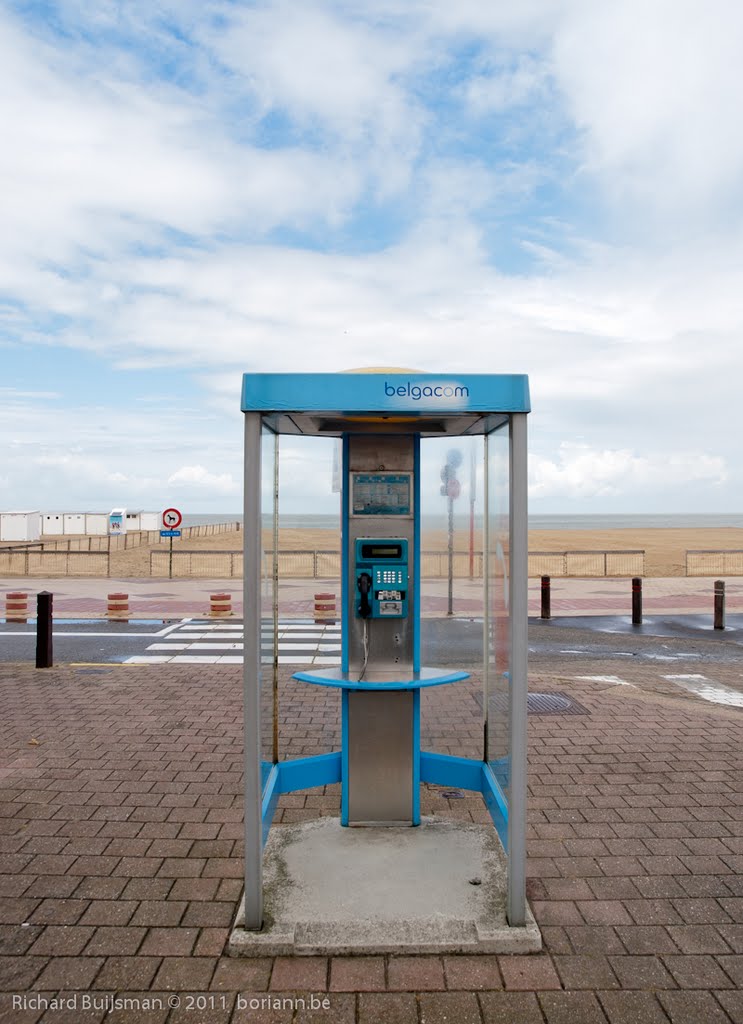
(396,402)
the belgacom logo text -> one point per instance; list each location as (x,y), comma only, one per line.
(416,391)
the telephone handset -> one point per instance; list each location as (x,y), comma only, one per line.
(364,585)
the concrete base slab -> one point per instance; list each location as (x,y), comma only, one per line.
(437,888)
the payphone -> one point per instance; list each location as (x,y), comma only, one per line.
(382,577)
(379,711)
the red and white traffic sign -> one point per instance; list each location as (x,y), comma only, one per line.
(172,518)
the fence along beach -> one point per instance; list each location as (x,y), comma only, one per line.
(665,547)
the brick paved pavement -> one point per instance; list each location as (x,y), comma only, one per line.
(120,844)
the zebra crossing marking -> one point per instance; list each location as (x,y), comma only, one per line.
(300,642)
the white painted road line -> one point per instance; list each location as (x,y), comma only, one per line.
(194,659)
(716,693)
(147,659)
(213,647)
(614,680)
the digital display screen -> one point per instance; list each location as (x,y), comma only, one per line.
(381,551)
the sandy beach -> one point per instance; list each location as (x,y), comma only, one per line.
(665,549)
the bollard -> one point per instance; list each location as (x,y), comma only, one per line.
(16,607)
(636,601)
(546,598)
(719,604)
(44,653)
(325,609)
(221,605)
(118,607)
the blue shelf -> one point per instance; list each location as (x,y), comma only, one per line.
(380,680)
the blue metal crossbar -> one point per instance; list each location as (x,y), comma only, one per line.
(438,769)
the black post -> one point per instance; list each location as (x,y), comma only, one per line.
(546,609)
(44,653)
(636,601)
(719,604)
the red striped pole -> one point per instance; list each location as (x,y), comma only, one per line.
(221,605)
(16,607)
(325,609)
(118,607)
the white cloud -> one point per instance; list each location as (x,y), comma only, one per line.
(501,86)
(16,394)
(93,166)
(522,24)
(97,457)
(655,89)
(339,76)
(581,471)
(198,478)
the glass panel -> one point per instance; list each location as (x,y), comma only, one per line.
(497,661)
(269,599)
(307,542)
(451,587)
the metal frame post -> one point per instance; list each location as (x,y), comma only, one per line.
(518,626)
(275,601)
(252,672)
(486,625)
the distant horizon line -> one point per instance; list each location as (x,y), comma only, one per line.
(461,512)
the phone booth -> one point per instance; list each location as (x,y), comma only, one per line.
(340,872)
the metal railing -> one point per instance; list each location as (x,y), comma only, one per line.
(714,563)
(587,563)
(310,564)
(39,562)
(95,544)
(101,542)
(90,556)
(205,564)
(205,530)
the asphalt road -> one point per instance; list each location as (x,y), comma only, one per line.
(444,641)
(82,640)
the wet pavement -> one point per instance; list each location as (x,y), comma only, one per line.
(658,639)
(699,626)
(444,641)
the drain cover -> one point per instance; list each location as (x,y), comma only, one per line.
(538,704)
(553,704)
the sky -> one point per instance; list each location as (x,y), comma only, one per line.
(193,190)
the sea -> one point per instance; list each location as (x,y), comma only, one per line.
(536,522)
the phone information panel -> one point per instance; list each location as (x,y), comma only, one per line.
(381,494)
